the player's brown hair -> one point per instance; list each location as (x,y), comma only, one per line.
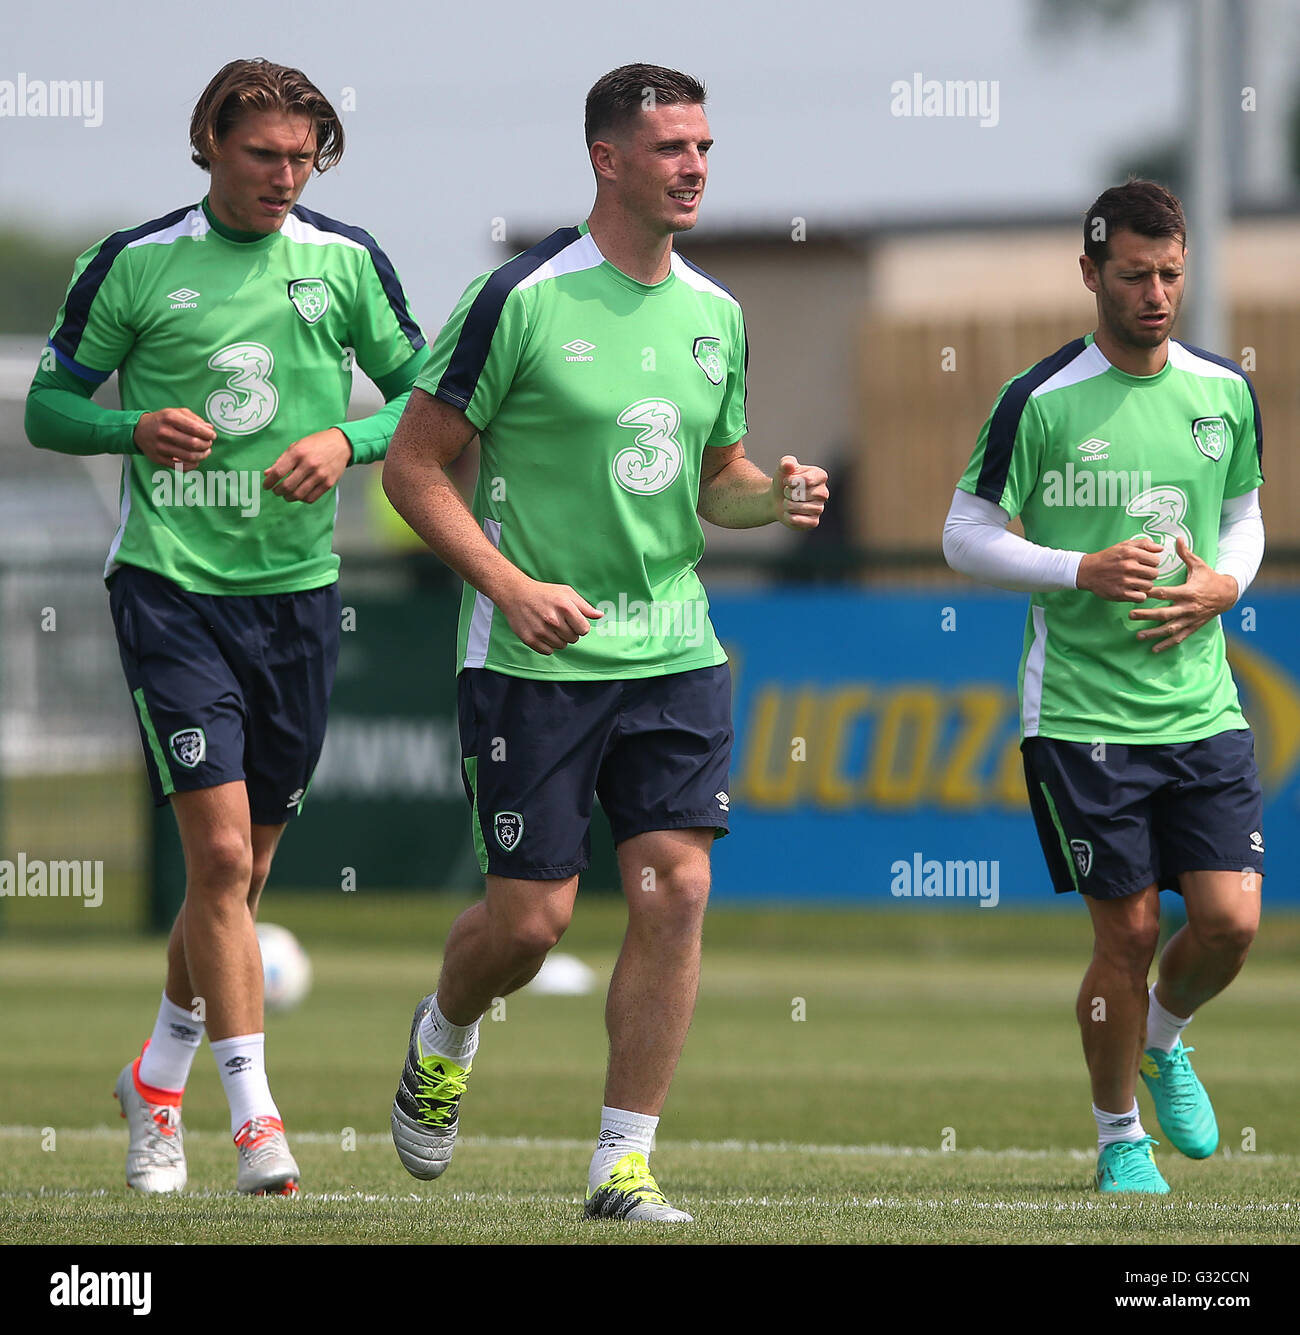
(261,85)
(618,98)
(1137,206)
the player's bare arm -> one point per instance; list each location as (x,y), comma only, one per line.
(1204,595)
(310,466)
(736,493)
(432,435)
(174,436)
(1124,573)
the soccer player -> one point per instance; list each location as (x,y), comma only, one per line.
(1133,461)
(605,376)
(232,324)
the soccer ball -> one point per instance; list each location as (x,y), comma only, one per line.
(286,970)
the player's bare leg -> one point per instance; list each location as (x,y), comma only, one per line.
(215,835)
(1112,1004)
(1197,963)
(499,944)
(493,949)
(651,1000)
(179,990)
(221,956)
(1207,953)
(1112,1011)
(224,967)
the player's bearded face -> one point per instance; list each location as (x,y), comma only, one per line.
(663,165)
(1140,289)
(260,168)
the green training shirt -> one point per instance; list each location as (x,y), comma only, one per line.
(1089,456)
(595,397)
(256,337)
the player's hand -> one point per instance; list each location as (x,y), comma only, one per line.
(800,493)
(1200,598)
(174,436)
(1124,573)
(547,617)
(309,467)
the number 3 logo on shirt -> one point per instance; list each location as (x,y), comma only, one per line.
(249,401)
(1166,507)
(652,464)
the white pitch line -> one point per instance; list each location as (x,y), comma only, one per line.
(876,1151)
(441,1198)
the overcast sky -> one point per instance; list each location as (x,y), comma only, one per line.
(469,112)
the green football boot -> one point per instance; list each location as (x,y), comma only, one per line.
(1182,1105)
(1129,1165)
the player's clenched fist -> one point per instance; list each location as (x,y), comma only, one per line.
(800,492)
(1124,573)
(546,617)
(174,436)
(310,466)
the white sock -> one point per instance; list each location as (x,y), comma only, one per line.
(1118,1126)
(621,1132)
(456,1042)
(176,1037)
(241,1064)
(1163,1028)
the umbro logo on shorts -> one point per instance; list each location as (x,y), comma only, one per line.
(509,829)
(295,797)
(724,800)
(189,746)
(1256,841)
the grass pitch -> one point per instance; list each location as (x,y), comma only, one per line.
(834,1058)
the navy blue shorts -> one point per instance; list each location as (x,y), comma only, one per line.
(1114,818)
(227,687)
(655,750)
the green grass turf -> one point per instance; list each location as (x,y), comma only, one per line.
(917,1027)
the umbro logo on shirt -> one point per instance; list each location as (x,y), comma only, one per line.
(580,350)
(183,299)
(1094,449)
